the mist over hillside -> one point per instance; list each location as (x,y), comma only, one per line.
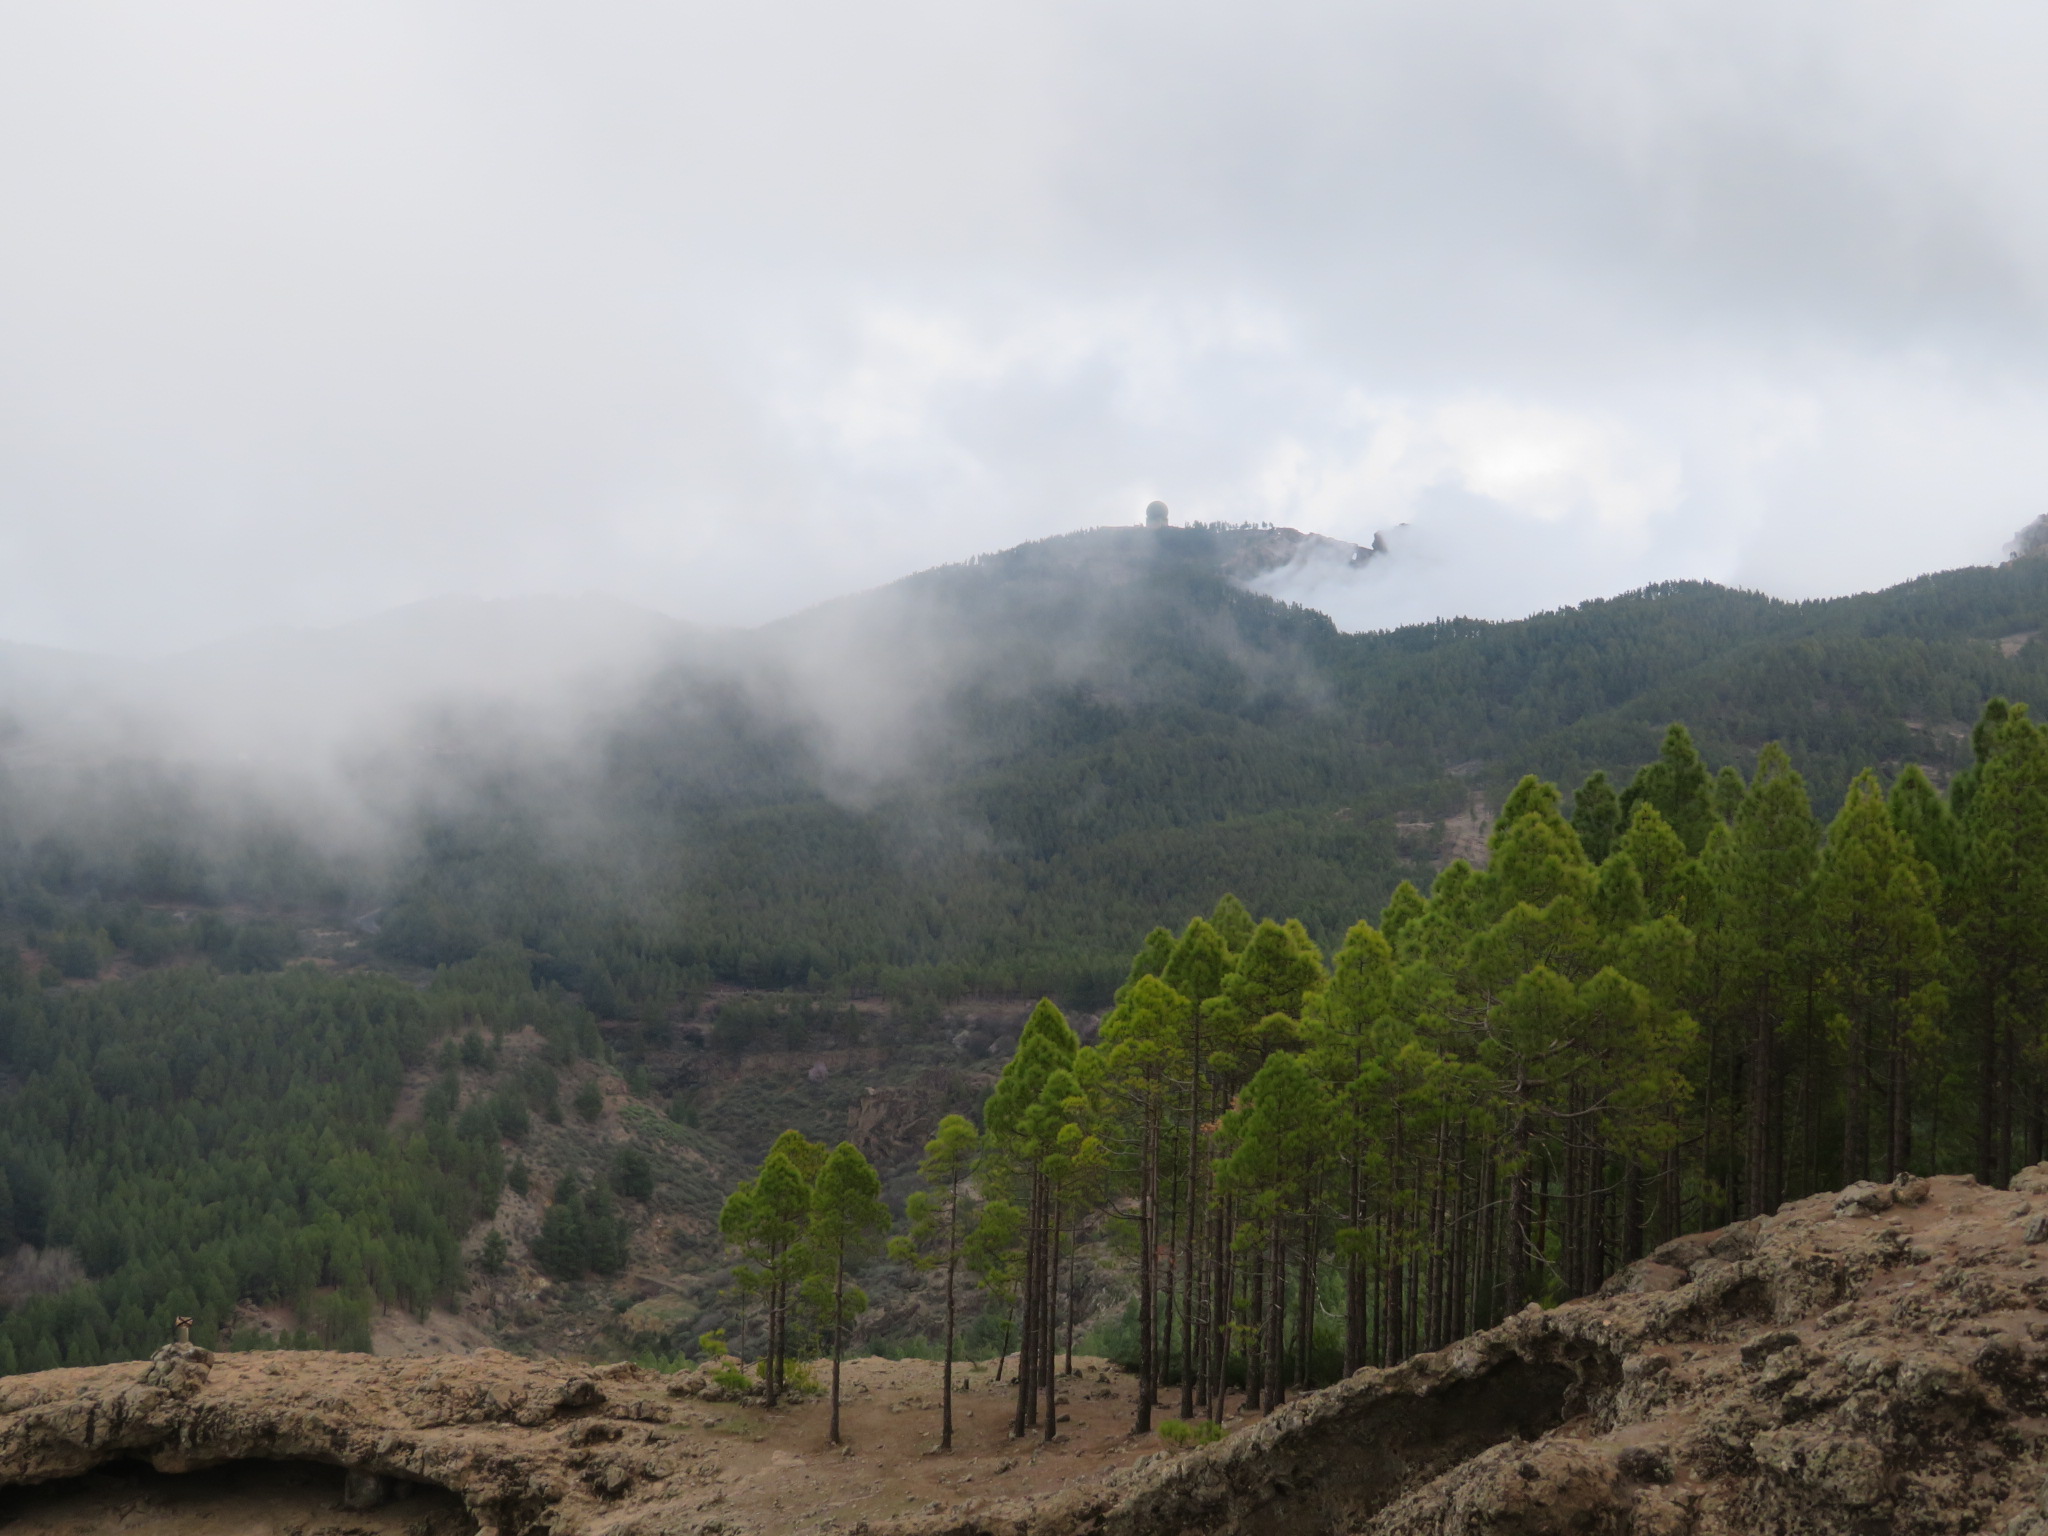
(554,914)
(985,775)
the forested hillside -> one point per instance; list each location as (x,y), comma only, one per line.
(186,1140)
(985,779)
(1083,751)
(986,776)
(1677,1006)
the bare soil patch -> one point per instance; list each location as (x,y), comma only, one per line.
(779,1473)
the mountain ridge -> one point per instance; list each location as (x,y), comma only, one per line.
(988,775)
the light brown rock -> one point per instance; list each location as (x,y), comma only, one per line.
(1848,1365)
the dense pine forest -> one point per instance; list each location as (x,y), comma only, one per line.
(1113,747)
(1670,997)
(1655,1011)
(184,1141)
(986,777)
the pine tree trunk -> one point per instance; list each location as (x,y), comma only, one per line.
(1148,1265)
(1354,1270)
(1027,1311)
(838,1334)
(1169,1243)
(1050,1363)
(1486,1276)
(1516,1266)
(1187,1354)
(768,1359)
(1305,1313)
(1221,1287)
(1987,1080)
(2007,1091)
(1276,1320)
(1255,1333)
(1073,1289)
(1855,1125)
(1756,1141)
(1895,1151)
(1393,1330)
(952,1313)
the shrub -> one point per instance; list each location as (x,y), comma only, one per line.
(510,1115)
(633,1174)
(1183,1433)
(579,1234)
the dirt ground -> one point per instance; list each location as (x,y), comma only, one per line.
(780,1474)
(738,1467)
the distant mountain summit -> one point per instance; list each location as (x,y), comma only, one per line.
(1243,552)
(2030,542)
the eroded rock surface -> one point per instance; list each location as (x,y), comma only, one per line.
(507,1436)
(1869,1361)
(1873,1360)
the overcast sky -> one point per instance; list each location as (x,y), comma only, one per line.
(310,311)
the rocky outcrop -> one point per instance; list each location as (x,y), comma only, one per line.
(527,1447)
(892,1124)
(1869,1361)
(1874,1360)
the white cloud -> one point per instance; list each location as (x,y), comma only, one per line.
(728,309)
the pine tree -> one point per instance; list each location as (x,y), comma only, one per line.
(767,1219)
(1233,924)
(1923,817)
(993,1253)
(1151,958)
(847,1224)
(1351,1032)
(1023,1122)
(1882,949)
(1195,971)
(2002,897)
(1678,785)
(1278,1136)
(1596,816)
(941,1215)
(1406,906)
(1760,953)
(1729,793)
(1141,1040)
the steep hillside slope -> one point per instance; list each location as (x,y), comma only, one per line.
(990,776)
(987,776)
